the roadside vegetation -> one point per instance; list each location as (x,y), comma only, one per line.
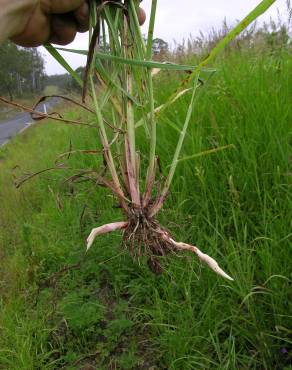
(64,309)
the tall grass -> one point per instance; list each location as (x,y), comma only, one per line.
(112,313)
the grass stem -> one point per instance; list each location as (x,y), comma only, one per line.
(151,167)
(130,138)
(157,206)
(106,148)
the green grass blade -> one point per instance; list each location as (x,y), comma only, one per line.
(255,13)
(142,63)
(206,152)
(56,55)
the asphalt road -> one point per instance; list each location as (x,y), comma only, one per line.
(17,124)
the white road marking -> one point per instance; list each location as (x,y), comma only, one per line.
(27,124)
(5,142)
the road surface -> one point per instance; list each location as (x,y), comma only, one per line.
(15,125)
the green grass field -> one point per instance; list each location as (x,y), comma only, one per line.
(62,309)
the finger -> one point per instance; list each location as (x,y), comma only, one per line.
(82,18)
(65,6)
(63,30)
(36,32)
(141,16)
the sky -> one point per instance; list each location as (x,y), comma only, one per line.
(177,20)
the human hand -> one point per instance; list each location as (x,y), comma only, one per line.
(31,23)
(55,21)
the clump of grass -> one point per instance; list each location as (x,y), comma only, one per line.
(121,62)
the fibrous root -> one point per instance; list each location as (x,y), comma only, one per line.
(156,240)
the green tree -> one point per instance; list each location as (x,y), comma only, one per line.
(21,70)
(160,48)
(8,66)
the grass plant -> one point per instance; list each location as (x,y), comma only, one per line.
(131,90)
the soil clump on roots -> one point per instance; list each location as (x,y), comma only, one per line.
(144,236)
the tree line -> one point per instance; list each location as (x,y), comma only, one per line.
(21,70)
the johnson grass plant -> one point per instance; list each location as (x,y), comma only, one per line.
(120,60)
